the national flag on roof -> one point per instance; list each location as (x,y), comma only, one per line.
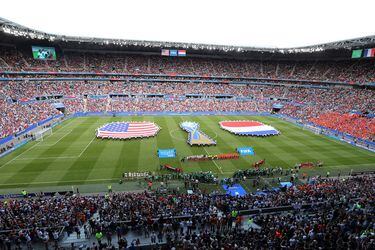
(181,52)
(127,130)
(369,53)
(172,52)
(357,53)
(165,52)
(252,128)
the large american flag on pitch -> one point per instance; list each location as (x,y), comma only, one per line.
(127,130)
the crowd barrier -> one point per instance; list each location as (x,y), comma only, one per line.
(32,195)
(14,148)
(170,75)
(82,114)
(368,172)
(247,212)
(6,139)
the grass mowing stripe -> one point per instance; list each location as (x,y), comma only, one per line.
(80,169)
(148,160)
(57,182)
(35,167)
(106,152)
(29,146)
(103,161)
(54,143)
(122,164)
(214,162)
(58,169)
(313,139)
(114,157)
(292,149)
(268,147)
(165,141)
(329,154)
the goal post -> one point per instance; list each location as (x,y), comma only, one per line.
(39,135)
(313,129)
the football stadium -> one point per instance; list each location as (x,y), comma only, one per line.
(122,143)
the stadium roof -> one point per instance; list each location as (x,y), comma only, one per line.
(16,30)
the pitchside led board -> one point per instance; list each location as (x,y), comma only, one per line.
(167,153)
(245,151)
(43,53)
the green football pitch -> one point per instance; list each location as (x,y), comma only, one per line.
(72,154)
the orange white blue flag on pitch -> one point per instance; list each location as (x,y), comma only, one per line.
(252,128)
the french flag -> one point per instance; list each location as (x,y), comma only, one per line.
(252,128)
(369,53)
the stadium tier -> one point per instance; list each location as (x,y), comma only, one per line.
(341,217)
(14,60)
(25,104)
(227,147)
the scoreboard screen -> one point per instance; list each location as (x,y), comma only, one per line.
(43,53)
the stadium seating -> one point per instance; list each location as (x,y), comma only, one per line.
(316,87)
(353,124)
(21,108)
(307,104)
(345,71)
(15,117)
(338,202)
(342,209)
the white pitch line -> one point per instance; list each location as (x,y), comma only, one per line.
(353,165)
(86,147)
(219,168)
(54,182)
(53,144)
(47,158)
(11,160)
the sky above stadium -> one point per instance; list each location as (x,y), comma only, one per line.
(259,23)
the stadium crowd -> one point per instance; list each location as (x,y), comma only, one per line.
(16,117)
(350,97)
(353,124)
(343,208)
(25,103)
(13,59)
(322,213)
(321,105)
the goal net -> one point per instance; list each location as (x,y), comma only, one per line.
(313,129)
(39,135)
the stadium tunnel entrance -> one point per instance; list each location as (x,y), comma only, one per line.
(59,106)
(277,107)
